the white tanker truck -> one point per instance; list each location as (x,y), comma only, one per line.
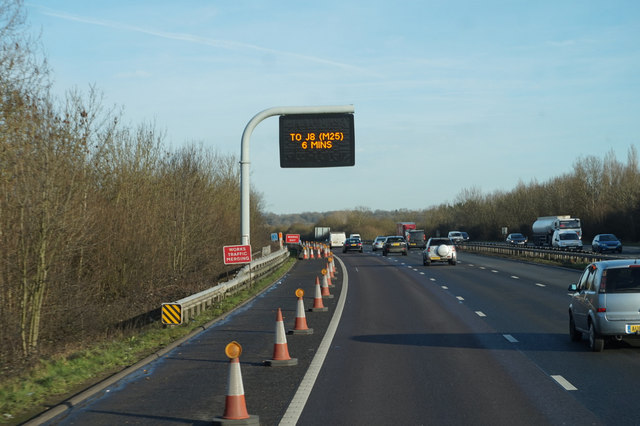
(544,228)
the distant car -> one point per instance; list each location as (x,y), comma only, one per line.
(378,243)
(606,242)
(439,250)
(355,236)
(465,236)
(517,239)
(605,302)
(456,237)
(394,244)
(353,244)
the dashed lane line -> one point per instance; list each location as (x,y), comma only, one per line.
(510,338)
(563,382)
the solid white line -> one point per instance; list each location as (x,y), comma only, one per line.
(510,338)
(564,383)
(304,390)
(480,314)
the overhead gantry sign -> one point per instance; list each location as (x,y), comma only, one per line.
(320,136)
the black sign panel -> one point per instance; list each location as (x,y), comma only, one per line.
(317,140)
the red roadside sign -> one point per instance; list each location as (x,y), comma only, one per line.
(292,238)
(237,254)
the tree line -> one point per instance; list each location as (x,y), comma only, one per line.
(99,221)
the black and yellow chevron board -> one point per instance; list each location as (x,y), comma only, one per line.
(171,313)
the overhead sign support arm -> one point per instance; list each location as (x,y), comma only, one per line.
(245,186)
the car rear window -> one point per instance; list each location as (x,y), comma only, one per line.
(394,239)
(621,280)
(440,241)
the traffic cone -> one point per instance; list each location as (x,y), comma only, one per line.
(235,410)
(305,254)
(301,319)
(328,275)
(280,348)
(325,288)
(318,306)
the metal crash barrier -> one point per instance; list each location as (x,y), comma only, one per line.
(190,306)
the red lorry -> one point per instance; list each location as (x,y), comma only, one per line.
(404,227)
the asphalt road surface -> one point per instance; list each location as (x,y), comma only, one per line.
(483,342)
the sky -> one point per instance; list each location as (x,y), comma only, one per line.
(448,96)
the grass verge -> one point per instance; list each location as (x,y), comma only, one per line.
(55,380)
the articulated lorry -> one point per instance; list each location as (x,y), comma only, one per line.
(544,228)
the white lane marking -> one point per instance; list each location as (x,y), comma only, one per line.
(421,273)
(432,279)
(515,277)
(510,338)
(563,382)
(460,298)
(482,267)
(471,264)
(494,271)
(357,269)
(480,314)
(444,287)
(304,390)
(541,285)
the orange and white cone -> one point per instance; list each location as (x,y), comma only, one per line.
(318,306)
(235,410)
(305,253)
(328,275)
(325,288)
(301,326)
(280,348)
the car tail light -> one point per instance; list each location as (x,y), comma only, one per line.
(602,309)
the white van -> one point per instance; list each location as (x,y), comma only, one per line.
(568,240)
(337,239)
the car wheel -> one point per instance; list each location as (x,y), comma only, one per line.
(596,342)
(573,332)
(453,262)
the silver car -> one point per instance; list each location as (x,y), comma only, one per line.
(606,302)
(378,243)
(439,250)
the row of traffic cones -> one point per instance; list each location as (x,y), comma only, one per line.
(235,411)
(311,250)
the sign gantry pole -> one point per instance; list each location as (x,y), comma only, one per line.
(245,186)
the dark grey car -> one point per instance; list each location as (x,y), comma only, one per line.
(394,244)
(606,302)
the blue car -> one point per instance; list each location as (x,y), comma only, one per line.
(606,242)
